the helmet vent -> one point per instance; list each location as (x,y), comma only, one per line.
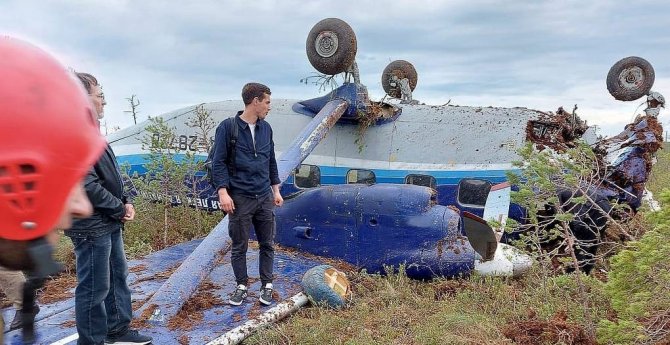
(18,185)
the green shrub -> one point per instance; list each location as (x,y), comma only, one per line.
(638,284)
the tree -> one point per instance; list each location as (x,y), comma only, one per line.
(134,103)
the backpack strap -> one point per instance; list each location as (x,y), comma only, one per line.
(232,142)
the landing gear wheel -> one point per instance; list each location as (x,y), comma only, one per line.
(401,69)
(326,285)
(630,78)
(331,46)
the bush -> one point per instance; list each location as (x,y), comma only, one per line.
(638,285)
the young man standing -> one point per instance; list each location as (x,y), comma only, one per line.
(102,297)
(248,187)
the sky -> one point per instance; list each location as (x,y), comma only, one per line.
(173,54)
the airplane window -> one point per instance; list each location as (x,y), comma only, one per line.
(307,176)
(421,180)
(361,176)
(473,192)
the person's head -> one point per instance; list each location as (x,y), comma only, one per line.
(48,141)
(256,99)
(94,93)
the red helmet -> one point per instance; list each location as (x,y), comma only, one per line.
(48,139)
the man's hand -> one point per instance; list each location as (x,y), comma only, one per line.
(130,213)
(227,204)
(277,196)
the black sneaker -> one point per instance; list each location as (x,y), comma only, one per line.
(17,322)
(239,295)
(132,337)
(266,294)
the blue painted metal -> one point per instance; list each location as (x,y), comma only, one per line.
(169,299)
(354,94)
(377,226)
(630,168)
(357,97)
(55,321)
(310,136)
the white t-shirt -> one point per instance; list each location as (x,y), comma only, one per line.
(253,133)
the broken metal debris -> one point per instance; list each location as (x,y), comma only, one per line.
(556,131)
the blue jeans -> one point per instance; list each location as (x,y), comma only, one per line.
(102,296)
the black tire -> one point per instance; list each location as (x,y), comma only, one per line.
(331,46)
(401,69)
(630,78)
(314,282)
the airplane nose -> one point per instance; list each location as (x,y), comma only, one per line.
(507,261)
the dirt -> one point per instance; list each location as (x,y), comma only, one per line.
(192,312)
(449,288)
(138,268)
(339,264)
(162,275)
(57,289)
(69,324)
(142,321)
(254,311)
(556,330)
(140,302)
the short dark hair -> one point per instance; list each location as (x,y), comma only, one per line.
(253,90)
(88,80)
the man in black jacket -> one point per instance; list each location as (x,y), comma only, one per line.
(250,194)
(102,298)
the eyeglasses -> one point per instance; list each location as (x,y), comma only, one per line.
(101,96)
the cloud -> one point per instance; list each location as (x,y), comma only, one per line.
(533,54)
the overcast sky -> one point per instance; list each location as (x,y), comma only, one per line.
(509,53)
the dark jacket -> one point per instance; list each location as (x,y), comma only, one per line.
(104,188)
(256,165)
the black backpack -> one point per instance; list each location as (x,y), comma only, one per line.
(230,161)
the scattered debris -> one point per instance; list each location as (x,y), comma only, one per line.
(339,264)
(553,331)
(138,268)
(556,131)
(141,322)
(192,312)
(162,275)
(69,323)
(57,289)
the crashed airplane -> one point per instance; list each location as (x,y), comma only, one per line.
(375,184)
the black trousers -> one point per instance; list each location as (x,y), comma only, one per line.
(258,212)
